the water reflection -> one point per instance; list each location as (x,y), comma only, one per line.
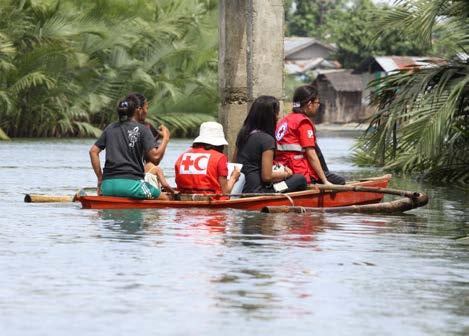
(249,289)
(259,229)
(131,223)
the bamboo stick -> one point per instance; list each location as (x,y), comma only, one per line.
(400,205)
(323,188)
(34,198)
(397,192)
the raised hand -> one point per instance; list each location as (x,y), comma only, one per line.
(164,132)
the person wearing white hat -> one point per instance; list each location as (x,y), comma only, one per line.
(203,168)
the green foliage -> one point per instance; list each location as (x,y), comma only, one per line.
(422,124)
(351,26)
(357,36)
(65,64)
(310,18)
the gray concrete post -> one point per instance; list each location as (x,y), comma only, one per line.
(232,69)
(250,58)
(265,48)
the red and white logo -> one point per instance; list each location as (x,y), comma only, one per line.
(194,163)
(281,131)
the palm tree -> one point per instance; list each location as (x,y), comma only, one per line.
(64,65)
(422,123)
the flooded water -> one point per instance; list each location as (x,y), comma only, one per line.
(70,271)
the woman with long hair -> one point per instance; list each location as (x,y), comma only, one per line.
(297,146)
(255,149)
(128,143)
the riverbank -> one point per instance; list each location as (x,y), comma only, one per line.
(349,127)
(329,127)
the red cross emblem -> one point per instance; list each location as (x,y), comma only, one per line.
(194,163)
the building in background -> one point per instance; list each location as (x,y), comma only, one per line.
(305,54)
(380,66)
(340,92)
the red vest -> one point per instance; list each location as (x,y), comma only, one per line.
(197,171)
(289,151)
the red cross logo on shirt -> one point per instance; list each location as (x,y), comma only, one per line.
(187,162)
(194,163)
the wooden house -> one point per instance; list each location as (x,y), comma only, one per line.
(340,92)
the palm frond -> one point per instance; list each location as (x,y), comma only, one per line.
(31,80)
(421,125)
(182,124)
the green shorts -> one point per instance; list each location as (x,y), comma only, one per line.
(138,189)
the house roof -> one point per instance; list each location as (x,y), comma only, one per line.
(392,63)
(292,45)
(342,80)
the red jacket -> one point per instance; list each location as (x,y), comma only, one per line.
(197,171)
(295,132)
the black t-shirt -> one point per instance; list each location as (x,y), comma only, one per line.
(250,157)
(126,144)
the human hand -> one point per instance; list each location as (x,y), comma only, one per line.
(327,183)
(288,171)
(164,132)
(235,174)
(98,188)
(168,188)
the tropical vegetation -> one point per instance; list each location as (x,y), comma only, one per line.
(65,64)
(351,26)
(422,123)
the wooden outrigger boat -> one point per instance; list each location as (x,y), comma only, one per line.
(362,196)
(352,194)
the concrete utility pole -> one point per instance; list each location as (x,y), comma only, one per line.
(250,58)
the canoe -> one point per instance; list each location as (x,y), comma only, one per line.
(312,197)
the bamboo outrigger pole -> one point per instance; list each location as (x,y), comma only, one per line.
(34,198)
(411,201)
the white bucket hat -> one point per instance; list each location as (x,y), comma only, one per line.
(211,133)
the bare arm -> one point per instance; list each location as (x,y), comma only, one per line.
(96,164)
(227,184)
(155,155)
(316,164)
(267,175)
(162,179)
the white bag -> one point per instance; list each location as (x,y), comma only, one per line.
(152,179)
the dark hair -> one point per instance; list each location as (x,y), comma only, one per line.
(126,108)
(262,116)
(141,99)
(208,146)
(303,95)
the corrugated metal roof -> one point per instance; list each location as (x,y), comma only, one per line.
(342,80)
(391,63)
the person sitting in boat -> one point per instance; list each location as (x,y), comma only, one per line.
(153,173)
(297,146)
(127,143)
(255,148)
(203,168)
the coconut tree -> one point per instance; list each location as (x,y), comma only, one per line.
(422,123)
